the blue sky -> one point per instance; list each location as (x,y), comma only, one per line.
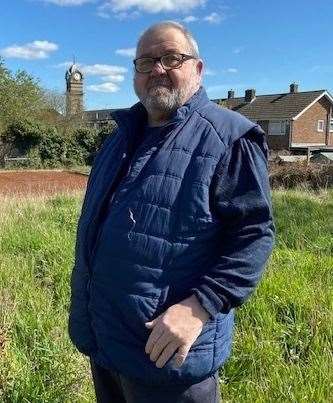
(258,44)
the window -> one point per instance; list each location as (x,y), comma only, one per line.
(320,126)
(331,125)
(277,128)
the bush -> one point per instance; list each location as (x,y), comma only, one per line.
(23,135)
(299,174)
(52,148)
(86,140)
(48,146)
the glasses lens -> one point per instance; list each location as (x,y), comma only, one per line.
(144,65)
(171,61)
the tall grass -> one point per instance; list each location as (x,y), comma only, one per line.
(284,334)
(38,362)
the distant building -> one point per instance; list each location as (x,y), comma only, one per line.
(292,121)
(74,100)
(99,117)
(74,91)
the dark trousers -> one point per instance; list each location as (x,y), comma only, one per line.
(112,387)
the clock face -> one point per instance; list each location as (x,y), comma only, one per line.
(77,76)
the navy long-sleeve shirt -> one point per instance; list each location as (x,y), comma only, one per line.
(243,203)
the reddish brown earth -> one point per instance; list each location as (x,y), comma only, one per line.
(40,182)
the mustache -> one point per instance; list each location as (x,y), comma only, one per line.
(156,82)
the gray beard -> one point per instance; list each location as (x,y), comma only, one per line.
(162,98)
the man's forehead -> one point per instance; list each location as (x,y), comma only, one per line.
(162,40)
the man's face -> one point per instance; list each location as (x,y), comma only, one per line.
(162,90)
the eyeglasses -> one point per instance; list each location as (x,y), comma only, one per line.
(169,61)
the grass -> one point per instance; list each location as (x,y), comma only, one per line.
(284,334)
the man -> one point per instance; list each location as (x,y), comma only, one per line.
(175,231)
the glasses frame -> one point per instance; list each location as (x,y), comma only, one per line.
(159,59)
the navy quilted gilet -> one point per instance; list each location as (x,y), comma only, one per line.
(157,237)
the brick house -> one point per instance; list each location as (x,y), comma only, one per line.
(294,121)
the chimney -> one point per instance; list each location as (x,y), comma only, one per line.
(293,88)
(250,95)
(231,94)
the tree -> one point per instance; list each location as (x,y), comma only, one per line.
(21,96)
(55,100)
(33,123)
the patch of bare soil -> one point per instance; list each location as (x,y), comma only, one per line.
(43,182)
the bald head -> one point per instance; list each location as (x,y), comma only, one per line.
(191,43)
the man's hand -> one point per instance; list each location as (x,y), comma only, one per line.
(175,329)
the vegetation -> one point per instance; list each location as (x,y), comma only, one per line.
(284,334)
(308,175)
(20,96)
(48,147)
(33,125)
(284,341)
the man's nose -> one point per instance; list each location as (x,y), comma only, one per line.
(157,69)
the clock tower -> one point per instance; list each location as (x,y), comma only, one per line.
(74,91)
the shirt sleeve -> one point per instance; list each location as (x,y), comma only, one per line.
(242,203)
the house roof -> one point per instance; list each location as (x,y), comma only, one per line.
(275,106)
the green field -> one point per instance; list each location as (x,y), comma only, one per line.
(284,339)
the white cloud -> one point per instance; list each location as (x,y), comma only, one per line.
(105,87)
(127,16)
(103,69)
(209,72)
(102,14)
(231,70)
(118,78)
(106,11)
(112,75)
(213,18)
(30,51)
(67,3)
(129,52)
(321,68)
(63,65)
(44,45)
(190,18)
(152,6)
(238,50)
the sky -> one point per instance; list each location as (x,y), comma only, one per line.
(260,44)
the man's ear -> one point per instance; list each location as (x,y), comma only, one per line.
(200,67)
